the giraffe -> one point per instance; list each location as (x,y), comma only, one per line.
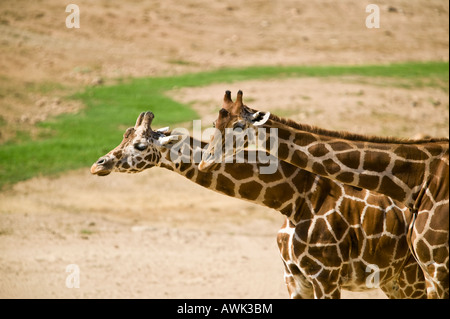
(332,239)
(414,172)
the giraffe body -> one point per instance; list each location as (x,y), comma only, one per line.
(328,243)
(416,173)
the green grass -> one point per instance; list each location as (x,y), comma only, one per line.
(77,140)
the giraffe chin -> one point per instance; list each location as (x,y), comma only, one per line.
(103,173)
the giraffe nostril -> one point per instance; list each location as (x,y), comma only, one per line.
(101,161)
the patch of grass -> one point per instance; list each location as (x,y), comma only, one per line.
(76,140)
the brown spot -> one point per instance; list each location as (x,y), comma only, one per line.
(225,185)
(277,195)
(440,254)
(303,181)
(376,199)
(117,154)
(374,245)
(190,173)
(294,269)
(328,255)
(434,149)
(356,234)
(310,265)
(287,210)
(321,234)
(324,194)
(389,188)
(204,179)
(331,166)
(340,146)
(288,169)
(376,161)
(149,158)
(402,248)
(436,238)
(352,208)
(240,171)
(267,178)
(408,172)
(283,151)
(346,177)
(318,150)
(368,181)
(140,165)
(302,230)
(338,225)
(421,221)
(373,221)
(422,251)
(439,220)
(125,165)
(394,222)
(183,166)
(349,159)
(303,139)
(283,134)
(410,152)
(299,159)
(250,190)
(319,169)
(439,167)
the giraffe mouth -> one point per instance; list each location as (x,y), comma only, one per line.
(103,173)
(207,163)
(99,170)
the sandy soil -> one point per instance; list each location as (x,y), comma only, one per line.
(156,234)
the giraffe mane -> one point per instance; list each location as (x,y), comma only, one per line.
(353,136)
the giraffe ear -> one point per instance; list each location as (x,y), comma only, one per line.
(163,129)
(164,140)
(259,118)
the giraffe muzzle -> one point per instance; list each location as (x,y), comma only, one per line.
(102,167)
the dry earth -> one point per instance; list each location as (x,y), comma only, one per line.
(155,234)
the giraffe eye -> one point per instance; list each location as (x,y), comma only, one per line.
(140,146)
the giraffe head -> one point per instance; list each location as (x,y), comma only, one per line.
(233,116)
(141,148)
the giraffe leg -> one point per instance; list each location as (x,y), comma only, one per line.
(429,243)
(297,284)
(436,277)
(326,290)
(410,283)
(329,285)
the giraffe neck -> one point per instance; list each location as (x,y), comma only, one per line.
(290,190)
(380,164)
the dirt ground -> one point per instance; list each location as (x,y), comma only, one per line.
(156,234)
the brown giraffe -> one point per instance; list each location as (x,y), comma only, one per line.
(414,172)
(333,242)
